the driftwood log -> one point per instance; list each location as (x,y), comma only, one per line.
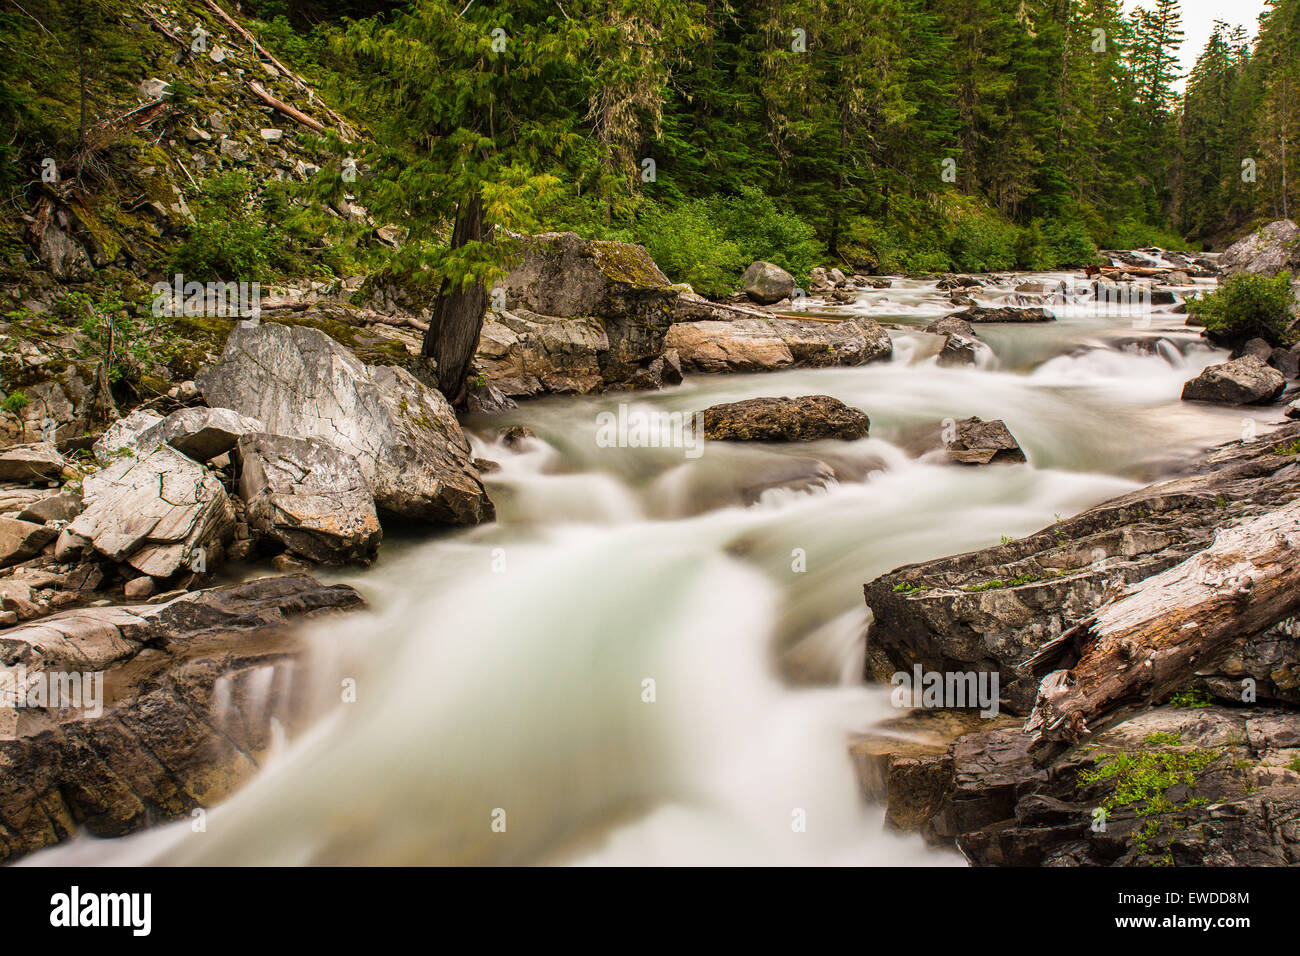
(285,108)
(1146,644)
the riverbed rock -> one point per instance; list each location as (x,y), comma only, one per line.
(760,345)
(977,442)
(186,722)
(159,513)
(766,283)
(523,353)
(137,433)
(960,345)
(1286,361)
(807,418)
(994,608)
(31,463)
(562,276)
(1269,250)
(1006,314)
(204,433)
(1293,410)
(404,436)
(20,540)
(1243,381)
(308,496)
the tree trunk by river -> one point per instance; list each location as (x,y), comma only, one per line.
(458,312)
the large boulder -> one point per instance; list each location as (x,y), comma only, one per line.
(205,433)
(159,514)
(617,283)
(1268,250)
(1243,381)
(977,442)
(807,418)
(36,462)
(524,353)
(766,283)
(404,436)
(760,345)
(310,497)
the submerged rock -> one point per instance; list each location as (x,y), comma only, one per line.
(808,418)
(960,346)
(1243,381)
(403,434)
(308,496)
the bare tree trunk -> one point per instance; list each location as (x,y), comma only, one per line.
(1146,644)
(458,313)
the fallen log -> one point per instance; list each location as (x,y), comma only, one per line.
(1144,645)
(286,109)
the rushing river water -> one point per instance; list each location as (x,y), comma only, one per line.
(503,672)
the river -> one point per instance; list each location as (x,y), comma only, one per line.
(655,658)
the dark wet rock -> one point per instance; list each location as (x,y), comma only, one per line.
(808,418)
(978,442)
(960,345)
(1242,381)
(1006,314)
(184,722)
(994,608)
(1286,361)
(515,436)
(766,283)
(309,497)
(404,436)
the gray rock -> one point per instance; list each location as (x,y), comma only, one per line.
(1268,250)
(1242,381)
(63,506)
(404,436)
(1285,361)
(36,462)
(137,433)
(766,283)
(21,540)
(756,345)
(1293,410)
(205,433)
(159,513)
(808,418)
(137,589)
(524,353)
(310,497)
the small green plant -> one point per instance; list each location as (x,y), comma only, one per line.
(229,240)
(1162,739)
(1292,449)
(905,588)
(1294,764)
(1192,698)
(13,404)
(1144,776)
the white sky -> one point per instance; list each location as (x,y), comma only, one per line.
(1198,21)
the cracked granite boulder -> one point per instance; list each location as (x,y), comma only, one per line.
(403,435)
(308,496)
(159,513)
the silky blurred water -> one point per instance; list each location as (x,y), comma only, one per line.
(652,658)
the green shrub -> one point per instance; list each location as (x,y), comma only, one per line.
(759,230)
(229,240)
(1067,244)
(1248,305)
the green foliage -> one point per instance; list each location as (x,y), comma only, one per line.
(121,334)
(15,402)
(1192,698)
(230,239)
(1144,776)
(1248,305)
